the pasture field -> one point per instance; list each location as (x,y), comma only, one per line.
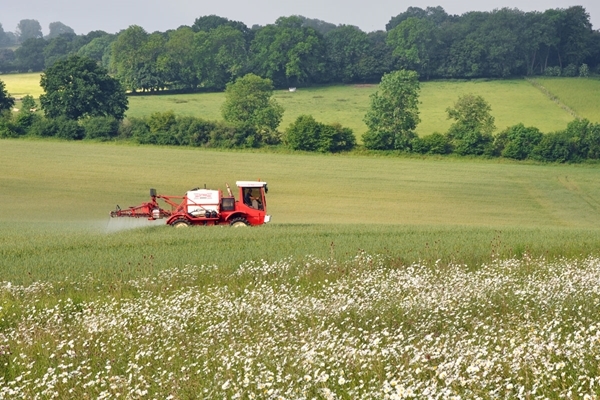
(379,278)
(512,101)
(19,85)
(570,93)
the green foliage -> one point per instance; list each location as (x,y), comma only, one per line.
(103,128)
(28,29)
(309,135)
(436,143)
(58,28)
(60,127)
(518,142)
(394,112)
(471,133)
(288,53)
(7,102)
(77,87)
(248,103)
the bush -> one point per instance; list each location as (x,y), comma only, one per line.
(552,71)
(517,142)
(7,127)
(193,131)
(554,147)
(103,128)
(335,138)
(60,127)
(436,143)
(303,134)
(309,135)
(161,121)
(471,143)
(570,70)
(584,71)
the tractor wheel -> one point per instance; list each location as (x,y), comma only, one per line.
(180,223)
(239,222)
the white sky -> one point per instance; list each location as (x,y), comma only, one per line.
(154,15)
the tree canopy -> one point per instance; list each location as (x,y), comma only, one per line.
(6,100)
(248,102)
(28,29)
(394,112)
(77,87)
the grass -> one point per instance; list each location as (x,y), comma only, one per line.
(379,277)
(57,196)
(569,91)
(19,85)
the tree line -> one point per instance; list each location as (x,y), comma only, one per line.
(295,50)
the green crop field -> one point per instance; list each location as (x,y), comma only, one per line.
(58,189)
(379,277)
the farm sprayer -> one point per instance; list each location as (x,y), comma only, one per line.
(204,207)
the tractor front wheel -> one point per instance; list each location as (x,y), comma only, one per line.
(239,222)
(180,223)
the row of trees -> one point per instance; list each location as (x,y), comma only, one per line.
(394,115)
(299,51)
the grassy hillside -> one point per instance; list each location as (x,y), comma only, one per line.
(512,101)
(582,95)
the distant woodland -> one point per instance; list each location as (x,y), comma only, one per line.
(299,51)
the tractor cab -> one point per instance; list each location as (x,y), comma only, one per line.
(253,199)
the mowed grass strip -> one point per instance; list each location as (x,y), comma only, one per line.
(582,95)
(83,181)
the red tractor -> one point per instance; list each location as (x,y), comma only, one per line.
(205,207)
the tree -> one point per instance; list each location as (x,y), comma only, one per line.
(414,41)
(29,29)
(394,112)
(471,133)
(58,28)
(288,53)
(347,48)
(7,102)
(77,87)
(248,102)
(30,56)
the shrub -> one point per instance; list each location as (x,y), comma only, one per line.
(552,71)
(584,71)
(193,131)
(309,135)
(161,121)
(7,128)
(100,127)
(60,127)
(436,143)
(335,138)
(303,134)
(554,147)
(570,70)
(517,142)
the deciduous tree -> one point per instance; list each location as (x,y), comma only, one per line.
(77,87)
(28,29)
(7,102)
(394,112)
(248,102)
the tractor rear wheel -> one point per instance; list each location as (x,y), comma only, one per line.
(239,222)
(180,223)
